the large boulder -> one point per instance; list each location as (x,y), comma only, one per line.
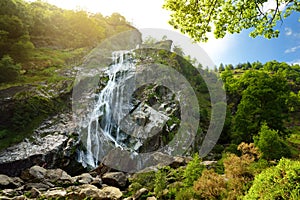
(111,193)
(91,191)
(84,178)
(117,179)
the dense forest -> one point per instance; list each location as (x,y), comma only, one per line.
(37,36)
(258,150)
(257,155)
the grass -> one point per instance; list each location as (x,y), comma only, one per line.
(44,66)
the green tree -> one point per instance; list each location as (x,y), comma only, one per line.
(221,68)
(9,71)
(270,144)
(198,17)
(263,98)
(279,182)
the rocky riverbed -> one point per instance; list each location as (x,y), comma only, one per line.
(102,183)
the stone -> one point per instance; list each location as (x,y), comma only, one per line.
(58,176)
(34,193)
(151,198)
(111,193)
(140,192)
(9,192)
(117,179)
(9,182)
(209,164)
(38,186)
(37,172)
(97,182)
(129,198)
(54,194)
(19,198)
(88,190)
(5,181)
(4,197)
(84,178)
(17,181)
(177,162)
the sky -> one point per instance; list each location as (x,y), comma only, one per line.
(233,49)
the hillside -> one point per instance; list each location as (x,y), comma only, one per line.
(40,45)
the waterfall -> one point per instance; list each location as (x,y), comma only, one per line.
(112,104)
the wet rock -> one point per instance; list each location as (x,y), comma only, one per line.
(53,145)
(117,179)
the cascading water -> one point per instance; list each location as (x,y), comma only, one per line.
(112,104)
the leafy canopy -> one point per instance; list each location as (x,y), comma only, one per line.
(279,182)
(198,17)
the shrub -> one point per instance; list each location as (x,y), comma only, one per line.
(238,170)
(193,171)
(9,71)
(270,144)
(186,193)
(140,180)
(210,185)
(160,182)
(279,182)
(239,175)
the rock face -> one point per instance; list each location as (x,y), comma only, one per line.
(51,146)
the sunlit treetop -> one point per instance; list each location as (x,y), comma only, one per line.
(199,17)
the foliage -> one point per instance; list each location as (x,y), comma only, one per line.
(238,170)
(25,26)
(193,171)
(210,185)
(197,18)
(270,144)
(9,71)
(160,182)
(186,193)
(279,182)
(263,99)
(140,180)
(259,93)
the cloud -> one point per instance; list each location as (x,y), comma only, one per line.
(297,35)
(288,31)
(294,62)
(291,50)
(271,5)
